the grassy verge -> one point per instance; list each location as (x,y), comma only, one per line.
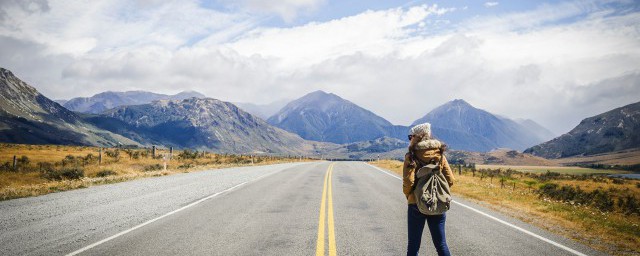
(558,169)
(568,205)
(43,169)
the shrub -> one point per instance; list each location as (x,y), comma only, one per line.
(64,173)
(112,153)
(69,159)
(45,167)
(629,205)
(530,184)
(548,176)
(7,167)
(105,173)
(133,154)
(153,167)
(23,161)
(188,154)
(185,166)
(601,200)
(618,181)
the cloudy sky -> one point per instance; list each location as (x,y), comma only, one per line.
(554,62)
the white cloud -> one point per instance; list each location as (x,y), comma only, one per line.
(72,27)
(375,33)
(490,4)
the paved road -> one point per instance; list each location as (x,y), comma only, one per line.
(270,210)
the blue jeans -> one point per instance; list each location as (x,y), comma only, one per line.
(415,224)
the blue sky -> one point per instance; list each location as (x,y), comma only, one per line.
(337,9)
(555,62)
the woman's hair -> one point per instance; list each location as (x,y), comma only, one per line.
(412,160)
(412,144)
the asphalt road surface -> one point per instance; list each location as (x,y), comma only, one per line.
(321,208)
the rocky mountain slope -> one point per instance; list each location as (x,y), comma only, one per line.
(28,117)
(203,124)
(464,127)
(614,130)
(324,116)
(107,100)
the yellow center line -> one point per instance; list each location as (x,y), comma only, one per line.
(326,197)
(320,241)
(332,234)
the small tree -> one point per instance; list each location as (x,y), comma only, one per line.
(530,184)
(23,162)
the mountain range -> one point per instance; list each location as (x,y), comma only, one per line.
(107,100)
(324,116)
(614,130)
(316,124)
(207,123)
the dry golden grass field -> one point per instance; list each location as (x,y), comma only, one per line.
(624,157)
(595,210)
(558,169)
(42,169)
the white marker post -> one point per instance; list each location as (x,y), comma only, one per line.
(164,160)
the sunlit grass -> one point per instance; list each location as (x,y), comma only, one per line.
(558,169)
(31,179)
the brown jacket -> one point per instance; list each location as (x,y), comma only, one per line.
(425,152)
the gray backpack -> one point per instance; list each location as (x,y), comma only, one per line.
(431,190)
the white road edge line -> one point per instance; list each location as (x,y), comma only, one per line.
(499,220)
(165,215)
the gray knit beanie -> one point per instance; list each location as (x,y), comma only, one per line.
(423,130)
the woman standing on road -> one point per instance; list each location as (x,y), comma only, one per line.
(424,149)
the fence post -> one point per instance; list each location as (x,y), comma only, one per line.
(153,151)
(100,157)
(15,161)
(170,153)
(459,169)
